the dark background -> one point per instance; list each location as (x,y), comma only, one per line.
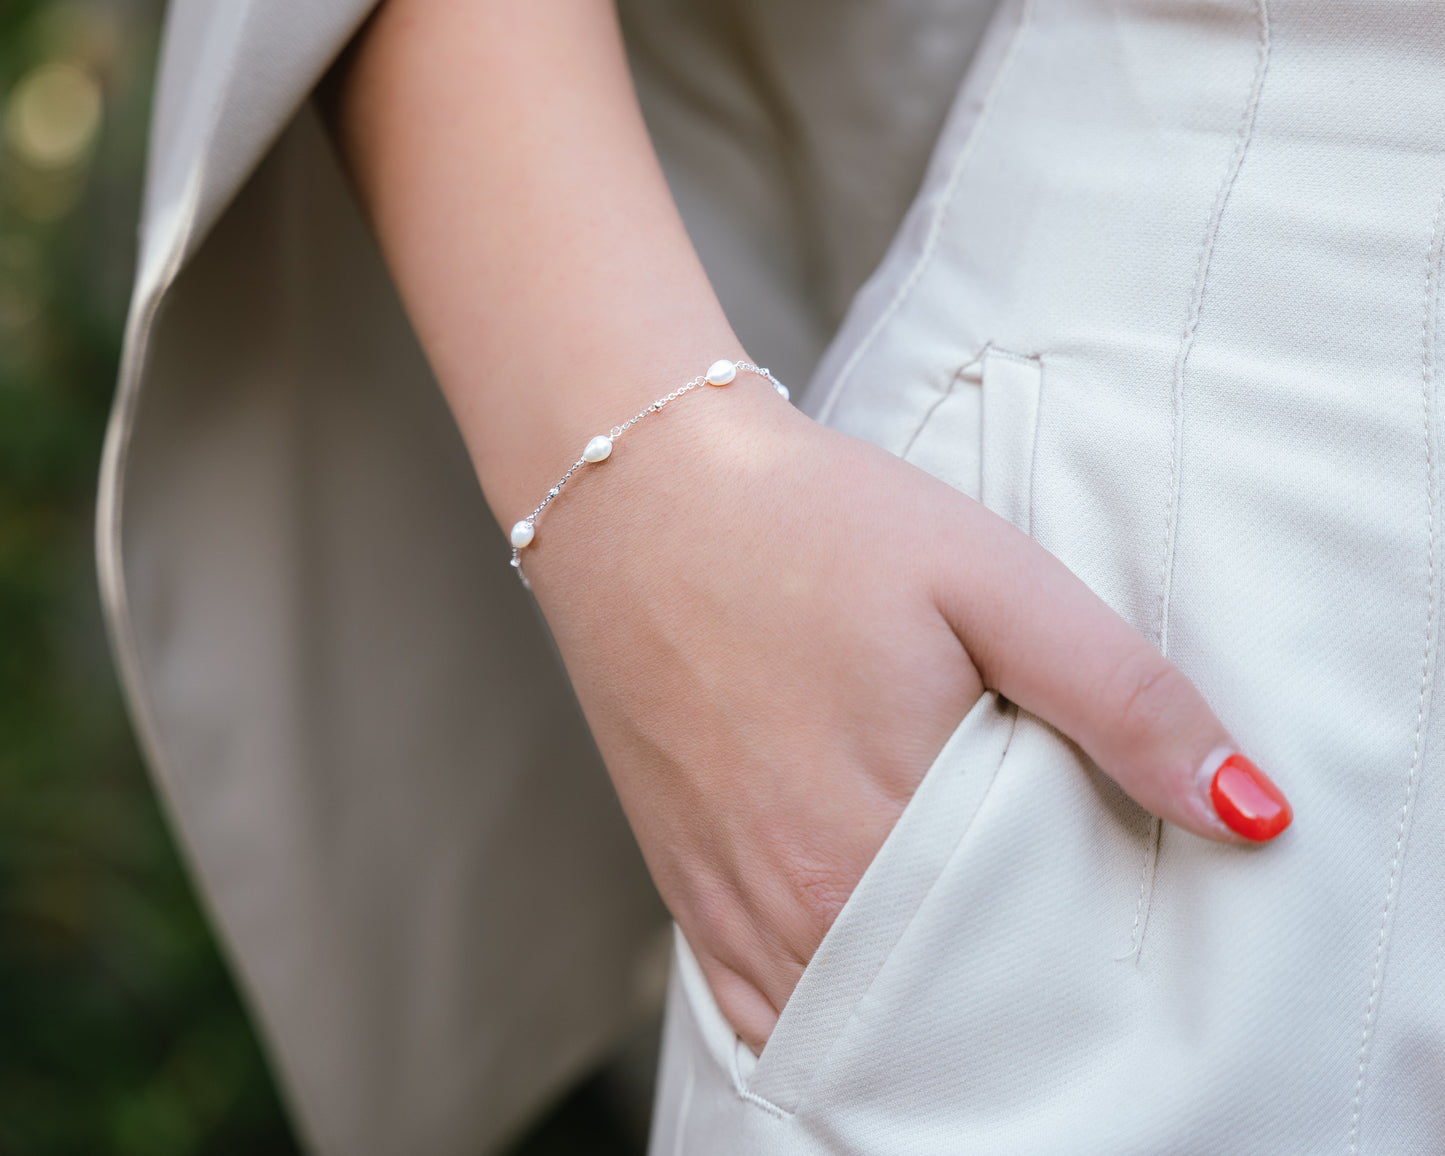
(120,1027)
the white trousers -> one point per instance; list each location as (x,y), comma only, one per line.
(1169,301)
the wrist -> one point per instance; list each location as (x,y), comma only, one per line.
(539,423)
(675,452)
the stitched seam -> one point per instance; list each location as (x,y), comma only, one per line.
(976,359)
(940,216)
(1186,346)
(1033,463)
(1191,327)
(932,409)
(1392,883)
(1146,889)
(988,350)
(753,1098)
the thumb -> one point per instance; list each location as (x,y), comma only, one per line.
(1044,640)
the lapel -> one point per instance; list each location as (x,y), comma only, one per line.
(232,75)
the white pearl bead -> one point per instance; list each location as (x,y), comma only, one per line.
(523,533)
(597,449)
(783,391)
(721,372)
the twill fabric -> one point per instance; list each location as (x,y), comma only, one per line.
(1169,301)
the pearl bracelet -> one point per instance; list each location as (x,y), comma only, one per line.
(600,447)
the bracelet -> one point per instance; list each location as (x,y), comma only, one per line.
(600,447)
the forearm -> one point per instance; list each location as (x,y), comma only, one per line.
(499,151)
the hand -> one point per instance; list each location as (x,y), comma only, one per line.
(773,628)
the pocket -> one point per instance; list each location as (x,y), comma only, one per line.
(979,437)
(877,913)
(851,954)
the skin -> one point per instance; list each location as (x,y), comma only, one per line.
(772,627)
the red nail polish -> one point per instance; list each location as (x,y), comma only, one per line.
(1247,801)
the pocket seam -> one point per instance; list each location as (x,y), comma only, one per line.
(740,1086)
(953,380)
(1021,454)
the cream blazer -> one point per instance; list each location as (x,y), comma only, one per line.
(369,751)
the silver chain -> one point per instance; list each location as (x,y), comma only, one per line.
(616,432)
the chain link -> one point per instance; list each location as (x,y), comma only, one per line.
(618,430)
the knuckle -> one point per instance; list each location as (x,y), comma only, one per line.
(821,891)
(824,895)
(1143,696)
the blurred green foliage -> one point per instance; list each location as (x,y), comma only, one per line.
(120,1031)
